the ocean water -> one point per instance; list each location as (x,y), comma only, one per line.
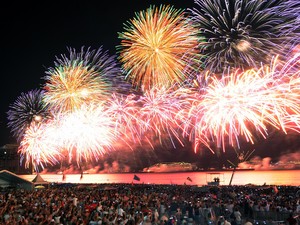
(256,177)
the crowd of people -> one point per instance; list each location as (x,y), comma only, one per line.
(146,204)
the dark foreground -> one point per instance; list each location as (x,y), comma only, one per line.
(149,204)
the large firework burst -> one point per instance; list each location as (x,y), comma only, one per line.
(245,33)
(27,109)
(81,78)
(86,133)
(157,47)
(244,104)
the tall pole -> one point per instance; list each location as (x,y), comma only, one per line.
(234,168)
(241,158)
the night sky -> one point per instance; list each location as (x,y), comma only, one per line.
(33,34)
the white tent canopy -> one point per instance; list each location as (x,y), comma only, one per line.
(38,180)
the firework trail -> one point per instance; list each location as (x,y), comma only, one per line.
(157,114)
(98,60)
(94,59)
(123,110)
(27,109)
(82,78)
(157,47)
(243,104)
(245,33)
(290,73)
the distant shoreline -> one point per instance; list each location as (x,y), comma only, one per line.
(179,171)
(191,171)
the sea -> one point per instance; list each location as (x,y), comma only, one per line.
(244,177)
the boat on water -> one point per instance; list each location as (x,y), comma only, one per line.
(231,169)
(167,167)
(214,179)
(173,167)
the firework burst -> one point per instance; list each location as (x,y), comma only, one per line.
(86,133)
(124,110)
(243,104)
(159,107)
(157,47)
(27,109)
(38,146)
(79,79)
(245,34)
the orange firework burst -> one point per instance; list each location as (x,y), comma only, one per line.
(79,80)
(158,48)
(68,90)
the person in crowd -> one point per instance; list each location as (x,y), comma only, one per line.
(223,221)
(237,216)
(291,220)
(248,221)
(137,204)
